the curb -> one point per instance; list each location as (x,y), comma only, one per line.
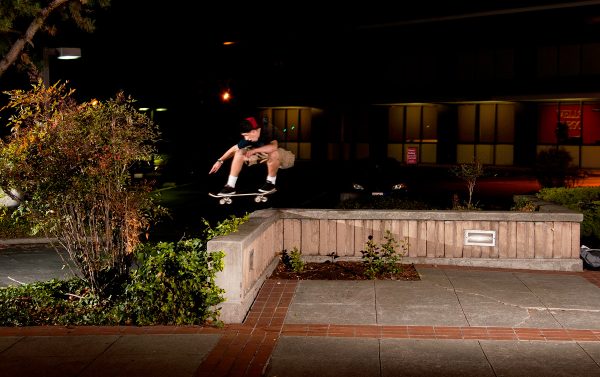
(27,241)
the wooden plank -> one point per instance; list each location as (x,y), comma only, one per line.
(431,238)
(310,237)
(459,230)
(557,237)
(396,229)
(278,241)
(575,240)
(292,229)
(403,236)
(324,238)
(387,225)
(529,251)
(542,240)
(413,238)
(422,238)
(502,240)
(467,249)
(440,246)
(450,245)
(345,238)
(512,239)
(486,251)
(563,246)
(360,236)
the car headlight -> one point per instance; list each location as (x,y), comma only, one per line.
(399,186)
(356,186)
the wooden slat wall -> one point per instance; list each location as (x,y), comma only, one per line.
(434,238)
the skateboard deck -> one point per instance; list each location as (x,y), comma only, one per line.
(227,199)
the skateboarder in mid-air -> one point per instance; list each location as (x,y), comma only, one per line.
(255,146)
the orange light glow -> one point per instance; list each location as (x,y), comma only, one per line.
(226,96)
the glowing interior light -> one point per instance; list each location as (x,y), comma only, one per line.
(480,237)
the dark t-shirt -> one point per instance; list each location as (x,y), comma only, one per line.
(266,136)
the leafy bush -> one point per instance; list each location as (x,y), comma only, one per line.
(71,163)
(383,259)
(13,227)
(173,284)
(582,199)
(54,302)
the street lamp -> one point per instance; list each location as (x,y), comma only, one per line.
(61,53)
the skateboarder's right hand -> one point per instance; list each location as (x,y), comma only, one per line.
(216,166)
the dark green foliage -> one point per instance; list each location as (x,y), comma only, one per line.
(174,284)
(582,199)
(13,227)
(53,302)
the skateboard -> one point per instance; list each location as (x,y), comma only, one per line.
(258,196)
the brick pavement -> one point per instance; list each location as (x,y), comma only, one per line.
(245,349)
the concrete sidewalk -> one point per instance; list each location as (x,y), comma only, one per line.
(455,321)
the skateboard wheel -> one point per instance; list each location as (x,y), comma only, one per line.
(222,201)
(263,199)
(259,199)
(228,200)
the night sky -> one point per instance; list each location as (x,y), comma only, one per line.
(294,54)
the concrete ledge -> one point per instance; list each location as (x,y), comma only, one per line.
(564,214)
(235,311)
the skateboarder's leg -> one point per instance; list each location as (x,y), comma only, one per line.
(272,168)
(236,167)
(273,163)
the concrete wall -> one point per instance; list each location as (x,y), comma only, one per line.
(546,240)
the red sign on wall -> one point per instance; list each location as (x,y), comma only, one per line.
(411,155)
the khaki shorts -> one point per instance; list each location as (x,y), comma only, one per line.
(286,158)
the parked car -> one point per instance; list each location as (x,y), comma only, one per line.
(374,178)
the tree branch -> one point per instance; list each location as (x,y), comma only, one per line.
(17,48)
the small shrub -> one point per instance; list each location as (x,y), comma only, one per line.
(383,259)
(523,204)
(293,260)
(469,172)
